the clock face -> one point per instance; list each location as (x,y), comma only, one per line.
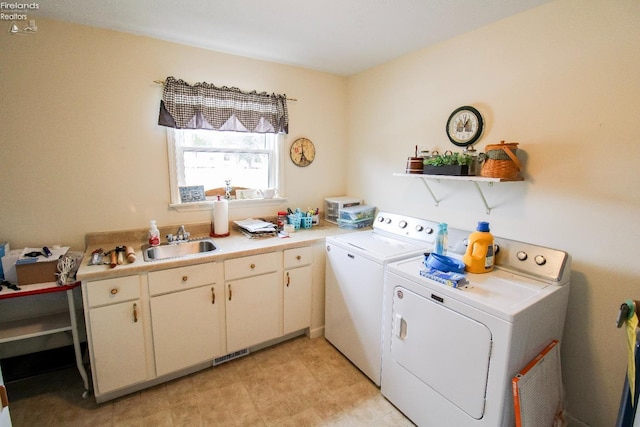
(302,152)
(464,126)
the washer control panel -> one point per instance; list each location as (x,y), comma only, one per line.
(405,226)
(532,260)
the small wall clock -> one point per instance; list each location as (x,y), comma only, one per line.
(302,152)
(464,126)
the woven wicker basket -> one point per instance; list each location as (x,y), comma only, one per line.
(501,161)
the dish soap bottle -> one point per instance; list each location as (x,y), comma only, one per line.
(440,244)
(154,234)
(479,257)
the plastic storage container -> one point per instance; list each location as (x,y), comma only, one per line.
(295,220)
(332,206)
(361,223)
(355,213)
(479,257)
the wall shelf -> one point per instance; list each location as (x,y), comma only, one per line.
(473,179)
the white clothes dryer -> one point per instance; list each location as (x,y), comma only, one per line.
(450,353)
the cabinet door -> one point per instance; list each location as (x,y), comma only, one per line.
(297,299)
(254,310)
(117,339)
(186,328)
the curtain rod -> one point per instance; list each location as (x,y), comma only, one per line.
(161,82)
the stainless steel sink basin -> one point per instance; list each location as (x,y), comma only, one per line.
(178,250)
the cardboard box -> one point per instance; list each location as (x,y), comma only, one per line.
(38,269)
(37,272)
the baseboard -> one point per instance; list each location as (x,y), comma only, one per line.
(574,422)
(317,332)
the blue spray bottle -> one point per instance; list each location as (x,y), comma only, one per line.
(440,244)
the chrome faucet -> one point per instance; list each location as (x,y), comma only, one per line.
(181,234)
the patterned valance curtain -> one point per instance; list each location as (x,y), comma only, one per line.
(205,106)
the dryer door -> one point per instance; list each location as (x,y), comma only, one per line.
(446,350)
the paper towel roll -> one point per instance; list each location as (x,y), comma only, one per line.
(220,218)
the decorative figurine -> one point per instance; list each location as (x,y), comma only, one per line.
(227,189)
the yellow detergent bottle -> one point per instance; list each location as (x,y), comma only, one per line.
(479,257)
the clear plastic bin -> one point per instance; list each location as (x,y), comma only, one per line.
(361,223)
(356,213)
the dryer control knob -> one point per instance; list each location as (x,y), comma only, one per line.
(402,224)
(380,218)
(540,260)
(522,255)
(388,221)
(428,230)
(419,228)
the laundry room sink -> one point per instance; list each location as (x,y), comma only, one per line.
(178,249)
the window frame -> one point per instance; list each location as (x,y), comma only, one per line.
(276,174)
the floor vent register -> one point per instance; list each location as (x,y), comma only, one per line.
(230,356)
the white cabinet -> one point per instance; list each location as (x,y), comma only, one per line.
(253,299)
(115,319)
(187,309)
(297,289)
(159,325)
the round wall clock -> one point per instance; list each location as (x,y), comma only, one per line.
(302,152)
(464,126)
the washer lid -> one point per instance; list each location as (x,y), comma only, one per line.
(380,246)
(499,292)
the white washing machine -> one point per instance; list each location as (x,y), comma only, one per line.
(450,353)
(354,284)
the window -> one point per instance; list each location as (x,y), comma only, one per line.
(209,158)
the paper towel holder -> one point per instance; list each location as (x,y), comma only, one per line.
(223,218)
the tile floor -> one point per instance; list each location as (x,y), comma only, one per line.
(301,382)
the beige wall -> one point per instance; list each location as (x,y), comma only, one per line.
(80,146)
(80,150)
(562,80)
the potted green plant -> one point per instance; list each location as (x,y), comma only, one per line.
(447,164)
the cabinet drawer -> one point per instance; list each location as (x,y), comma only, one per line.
(110,291)
(252,265)
(181,278)
(298,257)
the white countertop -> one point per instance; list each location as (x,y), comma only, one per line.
(233,246)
